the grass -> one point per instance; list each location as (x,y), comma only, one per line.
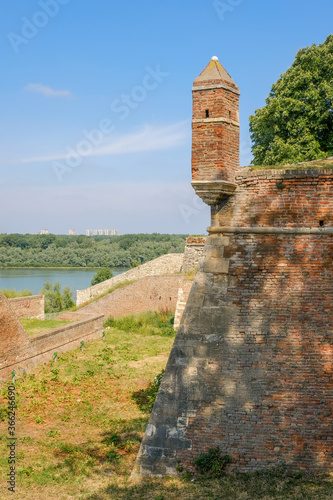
(149,323)
(112,289)
(324,163)
(12,294)
(190,275)
(79,429)
(36,326)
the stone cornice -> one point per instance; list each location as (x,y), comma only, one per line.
(213,120)
(322,231)
(215,86)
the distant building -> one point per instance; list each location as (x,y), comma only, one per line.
(44,231)
(72,232)
(102,232)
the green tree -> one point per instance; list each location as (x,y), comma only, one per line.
(55,299)
(102,274)
(67,298)
(296,124)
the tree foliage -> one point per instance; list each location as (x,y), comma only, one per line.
(27,250)
(102,274)
(55,299)
(296,124)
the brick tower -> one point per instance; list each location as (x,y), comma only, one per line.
(215,133)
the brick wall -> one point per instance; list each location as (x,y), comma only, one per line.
(28,307)
(151,293)
(282,198)
(14,341)
(166,264)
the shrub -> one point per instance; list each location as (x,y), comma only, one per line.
(102,274)
(55,299)
(212,463)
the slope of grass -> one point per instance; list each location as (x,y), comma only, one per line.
(36,326)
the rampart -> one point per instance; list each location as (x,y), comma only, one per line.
(17,350)
(151,293)
(166,264)
(28,307)
(251,367)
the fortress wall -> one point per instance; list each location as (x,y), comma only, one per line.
(151,293)
(267,381)
(28,307)
(281,198)
(64,338)
(251,366)
(14,341)
(166,264)
(17,350)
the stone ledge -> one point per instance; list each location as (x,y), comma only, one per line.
(213,120)
(285,173)
(215,86)
(322,231)
(211,192)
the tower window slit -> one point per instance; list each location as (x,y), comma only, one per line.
(207,113)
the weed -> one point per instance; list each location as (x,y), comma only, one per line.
(25,471)
(53,433)
(113,455)
(55,373)
(112,440)
(39,420)
(212,463)
(3,413)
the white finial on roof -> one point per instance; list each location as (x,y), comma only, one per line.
(214,58)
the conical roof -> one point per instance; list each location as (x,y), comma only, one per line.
(214,73)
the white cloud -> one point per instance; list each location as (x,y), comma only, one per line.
(47,91)
(148,138)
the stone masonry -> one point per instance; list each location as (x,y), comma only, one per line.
(251,367)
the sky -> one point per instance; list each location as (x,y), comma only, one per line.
(96,103)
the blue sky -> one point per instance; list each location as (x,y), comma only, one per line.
(95,100)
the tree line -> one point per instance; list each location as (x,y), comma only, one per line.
(28,250)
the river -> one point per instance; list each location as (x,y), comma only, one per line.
(33,279)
